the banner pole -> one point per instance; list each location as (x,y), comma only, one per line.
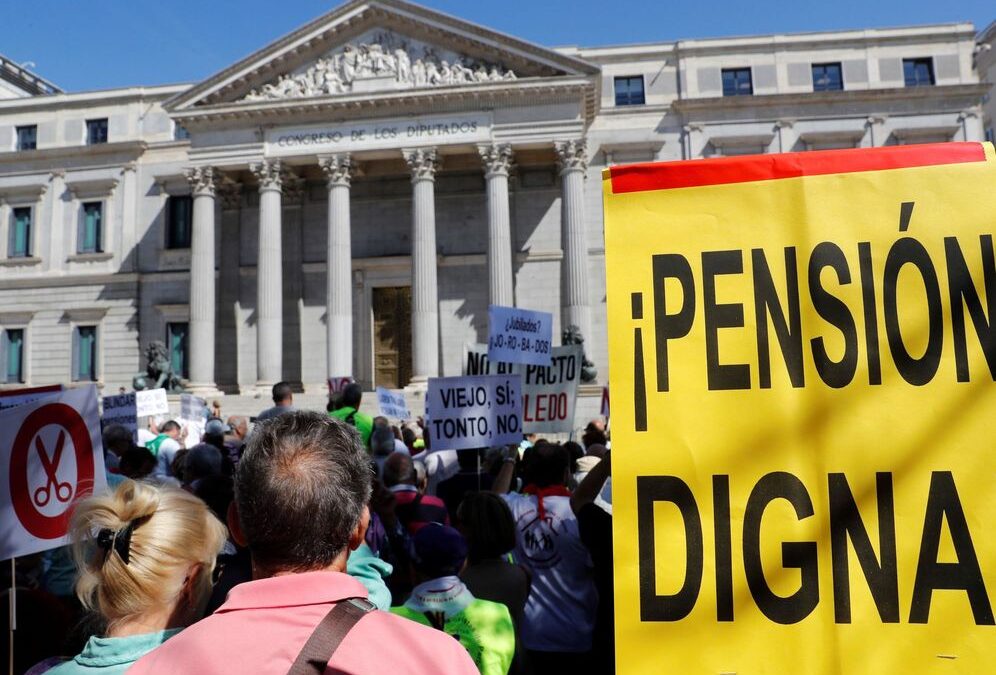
(13,612)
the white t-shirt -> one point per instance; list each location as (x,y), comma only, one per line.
(560,611)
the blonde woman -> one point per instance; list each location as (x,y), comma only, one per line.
(146,555)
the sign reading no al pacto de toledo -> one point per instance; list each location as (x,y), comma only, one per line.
(803,356)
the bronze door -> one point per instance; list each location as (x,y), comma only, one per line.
(392,323)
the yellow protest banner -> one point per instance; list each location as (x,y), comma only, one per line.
(802,363)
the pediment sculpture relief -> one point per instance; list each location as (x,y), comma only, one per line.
(400,66)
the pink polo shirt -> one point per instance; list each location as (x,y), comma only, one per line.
(263,625)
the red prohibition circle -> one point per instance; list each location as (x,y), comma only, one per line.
(35,522)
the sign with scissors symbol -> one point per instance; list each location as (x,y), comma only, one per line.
(53,458)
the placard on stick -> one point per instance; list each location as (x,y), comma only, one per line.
(549,392)
(519,335)
(484,411)
(51,456)
(392,404)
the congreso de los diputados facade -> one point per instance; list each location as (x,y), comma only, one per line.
(349,199)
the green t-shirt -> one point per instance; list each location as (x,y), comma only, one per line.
(485,630)
(363,423)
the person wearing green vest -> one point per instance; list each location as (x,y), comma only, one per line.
(349,412)
(164,448)
(441,600)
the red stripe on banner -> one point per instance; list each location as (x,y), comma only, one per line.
(750,168)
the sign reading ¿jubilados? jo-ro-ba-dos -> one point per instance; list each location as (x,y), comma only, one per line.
(803,355)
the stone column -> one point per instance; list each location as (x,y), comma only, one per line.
(202,294)
(269,276)
(575,309)
(425,291)
(339,261)
(497,160)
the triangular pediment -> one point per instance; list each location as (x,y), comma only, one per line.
(379,46)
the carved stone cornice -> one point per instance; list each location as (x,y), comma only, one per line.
(497,159)
(338,169)
(202,180)
(422,162)
(230,193)
(572,155)
(269,173)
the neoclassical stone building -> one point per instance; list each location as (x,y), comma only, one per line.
(350,198)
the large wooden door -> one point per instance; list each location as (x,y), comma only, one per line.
(392,323)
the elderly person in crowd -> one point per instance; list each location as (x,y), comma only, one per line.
(301,493)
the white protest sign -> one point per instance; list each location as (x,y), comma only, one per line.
(392,404)
(121,409)
(337,383)
(151,402)
(549,393)
(519,335)
(192,408)
(11,398)
(50,456)
(484,411)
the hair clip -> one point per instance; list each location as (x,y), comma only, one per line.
(119,541)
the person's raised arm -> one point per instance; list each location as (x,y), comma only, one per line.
(503,482)
(592,484)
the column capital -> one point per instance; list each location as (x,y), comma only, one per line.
(269,173)
(338,169)
(422,162)
(202,180)
(497,158)
(230,192)
(875,119)
(572,155)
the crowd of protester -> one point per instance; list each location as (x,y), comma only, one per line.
(301,539)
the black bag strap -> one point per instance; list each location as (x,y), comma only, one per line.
(329,634)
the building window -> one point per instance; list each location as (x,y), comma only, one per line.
(918,72)
(176,344)
(27,137)
(91,228)
(96,131)
(12,356)
(629,90)
(19,245)
(827,77)
(179,212)
(85,354)
(737,82)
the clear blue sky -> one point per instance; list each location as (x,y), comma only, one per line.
(98,44)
